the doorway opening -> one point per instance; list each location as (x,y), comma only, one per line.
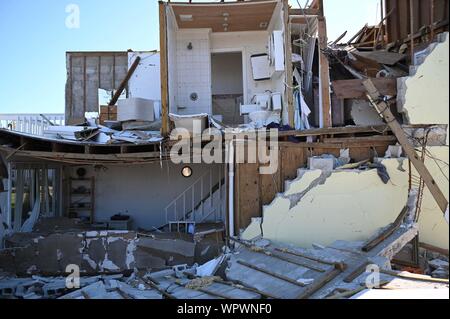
(227,87)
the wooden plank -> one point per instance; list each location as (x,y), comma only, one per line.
(434,249)
(380,56)
(164,69)
(303,12)
(357,272)
(386,233)
(249,197)
(124,83)
(413,276)
(384,109)
(319,260)
(289,98)
(291,160)
(354,89)
(318,283)
(242,16)
(380,138)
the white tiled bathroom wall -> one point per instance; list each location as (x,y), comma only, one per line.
(193,72)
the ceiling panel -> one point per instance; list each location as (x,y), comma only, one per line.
(231,17)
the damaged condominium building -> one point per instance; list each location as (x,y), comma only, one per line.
(351,177)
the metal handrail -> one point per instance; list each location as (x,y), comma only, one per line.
(191,190)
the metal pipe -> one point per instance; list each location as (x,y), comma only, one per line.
(231,189)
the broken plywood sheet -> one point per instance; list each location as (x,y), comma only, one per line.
(381,56)
(348,204)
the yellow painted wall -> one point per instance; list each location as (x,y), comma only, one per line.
(350,205)
(427,102)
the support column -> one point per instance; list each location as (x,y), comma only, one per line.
(324,71)
(164,68)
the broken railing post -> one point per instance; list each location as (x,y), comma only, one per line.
(383,108)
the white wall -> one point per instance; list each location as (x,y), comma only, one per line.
(194,71)
(226,72)
(145,82)
(249,43)
(143,191)
(172,60)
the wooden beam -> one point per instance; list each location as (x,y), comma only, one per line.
(289,97)
(164,69)
(383,108)
(324,70)
(386,233)
(303,12)
(318,283)
(354,89)
(124,83)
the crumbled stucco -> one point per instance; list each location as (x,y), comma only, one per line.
(347,205)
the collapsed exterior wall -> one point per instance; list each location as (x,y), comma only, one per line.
(93,252)
(423,99)
(320,207)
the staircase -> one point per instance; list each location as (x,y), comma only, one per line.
(202,202)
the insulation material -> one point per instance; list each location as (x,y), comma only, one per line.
(348,205)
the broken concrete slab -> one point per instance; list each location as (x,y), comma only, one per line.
(92,251)
(173,251)
(273,277)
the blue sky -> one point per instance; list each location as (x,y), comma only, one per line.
(35,38)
